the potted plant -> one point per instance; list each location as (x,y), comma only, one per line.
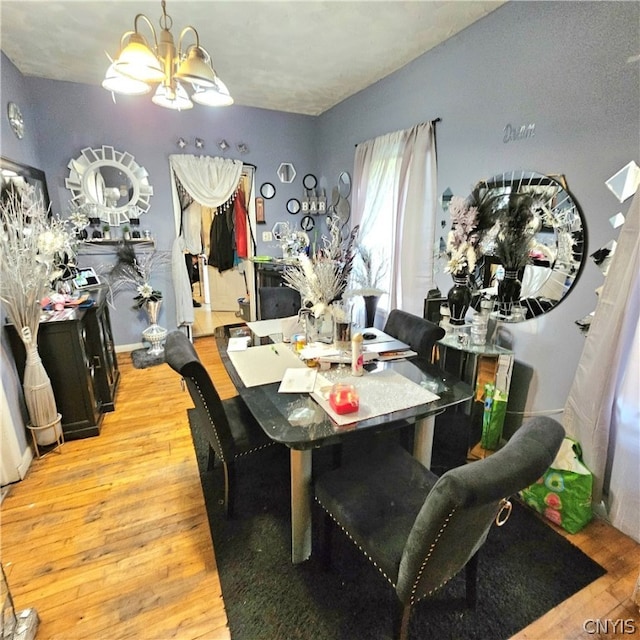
(126,232)
(106,232)
(31,248)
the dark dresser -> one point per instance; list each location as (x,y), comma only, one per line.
(77,350)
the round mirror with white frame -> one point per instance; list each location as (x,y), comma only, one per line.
(109,185)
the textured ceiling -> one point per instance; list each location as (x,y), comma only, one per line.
(297,56)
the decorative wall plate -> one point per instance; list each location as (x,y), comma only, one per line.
(15,119)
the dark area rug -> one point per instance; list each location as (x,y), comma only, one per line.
(142,359)
(525,570)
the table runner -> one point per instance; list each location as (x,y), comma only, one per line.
(380,392)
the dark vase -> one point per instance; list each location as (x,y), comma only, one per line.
(509,289)
(459,299)
(370,306)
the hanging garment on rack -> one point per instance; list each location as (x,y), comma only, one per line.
(240,213)
(221,254)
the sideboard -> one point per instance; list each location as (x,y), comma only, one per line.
(77,349)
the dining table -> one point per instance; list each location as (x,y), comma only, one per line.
(394,392)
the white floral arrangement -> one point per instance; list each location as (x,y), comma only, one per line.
(35,250)
(464,237)
(322,280)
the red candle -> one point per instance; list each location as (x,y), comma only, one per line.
(343,398)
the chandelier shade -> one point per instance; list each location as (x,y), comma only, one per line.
(216,96)
(119,83)
(141,65)
(196,69)
(175,98)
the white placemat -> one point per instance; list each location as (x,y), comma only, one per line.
(380,392)
(264,364)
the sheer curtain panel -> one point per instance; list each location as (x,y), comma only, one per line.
(602,410)
(394,202)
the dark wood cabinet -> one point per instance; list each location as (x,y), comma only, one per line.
(78,353)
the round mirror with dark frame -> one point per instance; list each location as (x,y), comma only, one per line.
(555,226)
(293,206)
(267,190)
(309,181)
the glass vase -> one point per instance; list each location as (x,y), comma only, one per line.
(459,299)
(320,328)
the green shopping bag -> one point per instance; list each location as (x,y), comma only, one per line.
(495,410)
(563,494)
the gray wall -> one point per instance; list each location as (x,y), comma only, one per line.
(560,65)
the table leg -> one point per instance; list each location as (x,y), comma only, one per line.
(423,440)
(300,505)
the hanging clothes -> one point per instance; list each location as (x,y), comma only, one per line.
(241,216)
(221,253)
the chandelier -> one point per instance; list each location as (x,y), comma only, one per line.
(139,66)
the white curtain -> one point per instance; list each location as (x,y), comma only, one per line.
(394,202)
(602,410)
(210,182)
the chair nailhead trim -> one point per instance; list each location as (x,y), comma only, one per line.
(373,562)
(413,598)
(215,431)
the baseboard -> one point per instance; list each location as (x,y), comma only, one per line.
(125,348)
(25,462)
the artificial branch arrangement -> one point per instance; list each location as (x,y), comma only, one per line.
(133,271)
(512,237)
(322,280)
(368,272)
(32,246)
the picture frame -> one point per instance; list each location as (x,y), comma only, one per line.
(21,173)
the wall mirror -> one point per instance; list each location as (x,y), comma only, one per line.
(267,191)
(557,225)
(625,182)
(286,172)
(293,206)
(109,185)
(309,181)
(344,184)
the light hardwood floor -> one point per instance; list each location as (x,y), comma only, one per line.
(109,539)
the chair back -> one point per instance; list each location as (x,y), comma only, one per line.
(210,414)
(458,512)
(278,302)
(418,333)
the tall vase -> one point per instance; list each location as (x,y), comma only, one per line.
(459,298)
(38,395)
(154,334)
(509,289)
(370,307)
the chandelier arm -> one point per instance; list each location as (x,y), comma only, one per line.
(183,33)
(149,23)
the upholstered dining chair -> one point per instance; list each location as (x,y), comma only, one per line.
(420,334)
(420,530)
(228,425)
(278,302)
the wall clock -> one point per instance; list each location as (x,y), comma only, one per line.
(15,119)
